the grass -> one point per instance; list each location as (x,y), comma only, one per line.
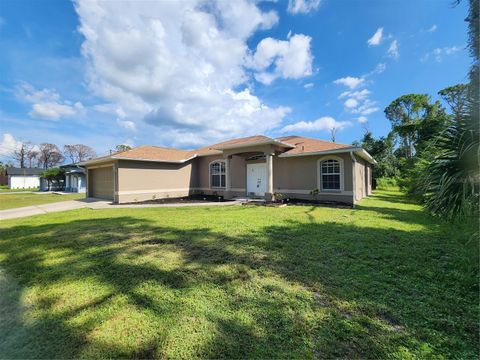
(6,189)
(383,280)
(11,201)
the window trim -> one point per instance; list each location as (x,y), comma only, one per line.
(319,174)
(210,174)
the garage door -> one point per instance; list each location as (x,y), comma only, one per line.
(100,183)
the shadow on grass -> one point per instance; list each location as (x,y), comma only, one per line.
(126,287)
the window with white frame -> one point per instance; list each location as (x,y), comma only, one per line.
(330,175)
(217,174)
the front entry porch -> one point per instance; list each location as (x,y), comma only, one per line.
(258,172)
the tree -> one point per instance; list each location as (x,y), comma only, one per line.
(456,97)
(21,153)
(54,176)
(49,155)
(122,147)
(78,152)
(405,113)
(32,155)
(452,180)
(382,151)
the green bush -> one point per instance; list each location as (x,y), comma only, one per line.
(387,183)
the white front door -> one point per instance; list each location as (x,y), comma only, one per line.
(256,179)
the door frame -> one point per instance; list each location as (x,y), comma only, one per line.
(259,165)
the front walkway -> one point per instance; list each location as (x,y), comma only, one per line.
(94,204)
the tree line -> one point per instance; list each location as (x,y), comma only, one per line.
(48,155)
(432,151)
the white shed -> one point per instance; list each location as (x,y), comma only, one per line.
(23,178)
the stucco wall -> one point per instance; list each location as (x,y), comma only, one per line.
(141,180)
(298,176)
(202,181)
(363,178)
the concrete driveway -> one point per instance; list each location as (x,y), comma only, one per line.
(48,208)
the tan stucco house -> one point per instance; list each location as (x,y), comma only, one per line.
(258,166)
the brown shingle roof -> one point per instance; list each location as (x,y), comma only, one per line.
(213,149)
(302,145)
(153,153)
(305,145)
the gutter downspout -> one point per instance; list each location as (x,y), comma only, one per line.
(354,183)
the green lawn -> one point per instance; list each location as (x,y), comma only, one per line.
(10,201)
(383,280)
(7,190)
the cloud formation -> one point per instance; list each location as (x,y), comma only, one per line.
(46,103)
(376,38)
(350,81)
(302,6)
(324,123)
(290,59)
(393,50)
(439,53)
(186,68)
(8,144)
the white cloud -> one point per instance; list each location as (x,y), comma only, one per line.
(362,119)
(358,95)
(380,68)
(46,103)
(8,144)
(127,124)
(302,6)
(309,85)
(368,107)
(323,123)
(433,28)
(54,111)
(290,59)
(376,39)
(439,53)
(185,66)
(351,103)
(393,50)
(350,82)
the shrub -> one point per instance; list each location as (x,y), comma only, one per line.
(387,183)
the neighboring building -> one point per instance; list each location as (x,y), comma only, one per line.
(23,178)
(257,166)
(75,179)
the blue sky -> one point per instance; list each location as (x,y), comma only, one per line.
(192,72)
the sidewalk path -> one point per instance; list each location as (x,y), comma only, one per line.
(94,204)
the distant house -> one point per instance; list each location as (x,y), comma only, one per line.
(75,179)
(23,178)
(256,166)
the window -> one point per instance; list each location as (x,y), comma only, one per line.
(330,175)
(217,174)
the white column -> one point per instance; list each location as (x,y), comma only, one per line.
(269,158)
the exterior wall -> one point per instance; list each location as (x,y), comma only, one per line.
(141,180)
(361,175)
(88,180)
(23,182)
(293,177)
(75,183)
(202,172)
(297,176)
